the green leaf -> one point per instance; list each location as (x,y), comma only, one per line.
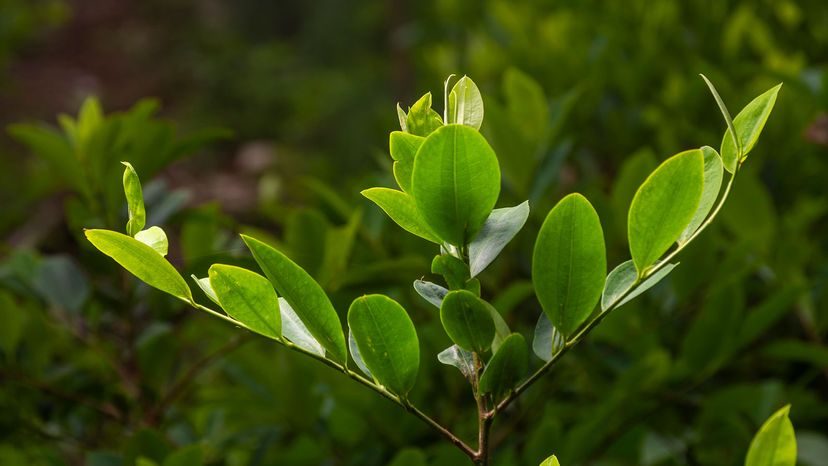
(622,278)
(155,238)
(569,263)
(135,201)
(387,341)
(712,184)
(501,328)
(402,210)
(295,331)
(354,349)
(304,295)
(191,455)
(52,147)
(431,292)
(403,147)
(551,461)
(749,124)
(547,340)
(506,368)
(663,207)
(452,269)
(501,226)
(775,443)
(458,357)
(528,105)
(731,129)
(465,104)
(467,321)
(247,297)
(142,261)
(204,284)
(456,182)
(422,119)
(402,117)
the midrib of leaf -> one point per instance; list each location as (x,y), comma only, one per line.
(569,274)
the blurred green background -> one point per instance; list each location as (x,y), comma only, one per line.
(269,117)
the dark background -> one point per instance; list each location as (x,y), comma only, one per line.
(274,115)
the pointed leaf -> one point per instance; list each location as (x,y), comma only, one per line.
(422,119)
(623,277)
(387,341)
(458,357)
(402,117)
(402,210)
(467,321)
(352,347)
(749,124)
(712,184)
(551,461)
(456,182)
(569,263)
(506,368)
(501,328)
(403,147)
(247,297)
(547,340)
(775,443)
(501,226)
(304,295)
(465,104)
(731,130)
(142,261)
(204,284)
(431,292)
(135,201)
(295,331)
(663,207)
(155,238)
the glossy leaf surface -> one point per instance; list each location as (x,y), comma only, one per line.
(748,124)
(401,208)
(247,297)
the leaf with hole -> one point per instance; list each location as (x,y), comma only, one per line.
(663,207)
(247,297)
(304,295)
(386,340)
(569,263)
(456,182)
(352,347)
(142,261)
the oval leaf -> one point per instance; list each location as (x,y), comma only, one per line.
(506,368)
(748,124)
(387,341)
(352,347)
(142,261)
(295,331)
(402,210)
(569,263)
(622,278)
(456,182)
(204,284)
(304,295)
(663,207)
(155,238)
(431,292)
(501,226)
(458,357)
(135,201)
(467,321)
(247,297)
(547,339)
(775,443)
(465,104)
(712,184)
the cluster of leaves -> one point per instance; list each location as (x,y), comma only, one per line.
(449,180)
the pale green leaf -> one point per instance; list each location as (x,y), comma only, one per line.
(422,119)
(387,341)
(204,284)
(501,226)
(431,292)
(749,124)
(456,182)
(155,238)
(295,331)
(402,210)
(135,201)
(403,148)
(551,461)
(663,207)
(354,349)
(467,321)
(569,263)
(247,297)
(458,357)
(775,443)
(731,129)
(304,295)
(622,278)
(465,104)
(402,117)
(547,340)
(506,368)
(712,184)
(142,261)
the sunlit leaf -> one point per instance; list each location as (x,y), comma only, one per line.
(749,124)
(247,297)
(465,104)
(155,238)
(501,226)
(142,261)
(402,210)
(712,184)
(295,331)
(135,201)
(387,341)
(204,284)
(775,443)
(422,119)
(403,148)
(569,263)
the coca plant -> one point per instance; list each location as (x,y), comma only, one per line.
(449,183)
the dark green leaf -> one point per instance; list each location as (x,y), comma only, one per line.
(506,368)
(547,340)
(452,269)
(247,297)
(387,341)
(569,263)
(501,226)
(467,321)
(304,295)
